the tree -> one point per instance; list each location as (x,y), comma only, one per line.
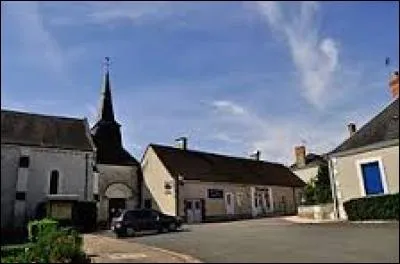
(318,190)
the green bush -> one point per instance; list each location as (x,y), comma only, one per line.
(38,228)
(61,246)
(384,207)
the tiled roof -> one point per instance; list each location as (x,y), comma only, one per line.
(383,127)
(209,167)
(44,131)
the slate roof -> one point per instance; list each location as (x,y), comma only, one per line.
(30,129)
(210,167)
(383,127)
(312,160)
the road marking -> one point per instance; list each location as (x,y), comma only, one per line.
(126,256)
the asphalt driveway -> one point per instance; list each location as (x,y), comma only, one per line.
(274,240)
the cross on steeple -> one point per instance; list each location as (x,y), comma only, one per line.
(107,63)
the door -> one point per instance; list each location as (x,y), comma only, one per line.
(194,211)
(189,211)
(197,211)
(372,178)
(229,203)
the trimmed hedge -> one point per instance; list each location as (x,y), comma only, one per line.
(385,207)
(40,228)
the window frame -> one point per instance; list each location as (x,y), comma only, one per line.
(359,164)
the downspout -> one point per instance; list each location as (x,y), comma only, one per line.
(333,188)
(85,194)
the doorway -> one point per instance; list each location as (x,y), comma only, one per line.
(193,210)
(229,203)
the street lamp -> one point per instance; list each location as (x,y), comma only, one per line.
(178,183)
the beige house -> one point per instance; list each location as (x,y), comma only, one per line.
(202,186)
(367,163)
(306,166)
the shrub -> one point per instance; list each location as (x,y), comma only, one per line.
(57,247)
(385,207)
(39,228)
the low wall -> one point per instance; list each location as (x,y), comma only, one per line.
(321,211)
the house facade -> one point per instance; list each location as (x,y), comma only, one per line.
(42,158)
(202,186)
(367,163)
(118,173)
(307,165)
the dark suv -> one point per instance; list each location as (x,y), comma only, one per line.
(132,221)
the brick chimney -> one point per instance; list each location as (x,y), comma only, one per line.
(183,142)
(352,128)
(394,84)
(300,153)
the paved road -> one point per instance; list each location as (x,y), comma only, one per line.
(272,240)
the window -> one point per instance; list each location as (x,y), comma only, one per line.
(147,203)
(146,214)
(197,205)
(372,178)
(20,196)
(189,205)
(54,177)
(24,162)
(215,193)
(130,215)
(96,197)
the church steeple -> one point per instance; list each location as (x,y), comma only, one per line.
(106,132)
(106,111)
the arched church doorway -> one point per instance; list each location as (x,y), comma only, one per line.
(117,195)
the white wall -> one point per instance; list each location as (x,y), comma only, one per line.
(306,174)
(347,178)
(155,176)
(72,173)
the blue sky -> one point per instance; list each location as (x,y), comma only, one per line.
(231,76)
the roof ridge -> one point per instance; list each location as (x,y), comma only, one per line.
(215,154)
(43,115)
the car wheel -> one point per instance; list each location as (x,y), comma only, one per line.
(172,227)
(130,231)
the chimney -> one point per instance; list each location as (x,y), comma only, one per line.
(183,141)
(394,84)
(256,155)
(300,153)
(352,128)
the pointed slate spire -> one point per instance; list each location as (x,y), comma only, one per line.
(106,112)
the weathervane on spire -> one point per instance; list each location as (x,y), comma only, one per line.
(107,63)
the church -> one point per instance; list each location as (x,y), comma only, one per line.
(46,157)
(117,173)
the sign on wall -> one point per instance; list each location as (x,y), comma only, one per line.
(215,194)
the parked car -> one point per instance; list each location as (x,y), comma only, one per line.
(132,221)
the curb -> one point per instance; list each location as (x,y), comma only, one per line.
(185,258)
(374,222)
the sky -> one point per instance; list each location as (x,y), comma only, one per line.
(233,77)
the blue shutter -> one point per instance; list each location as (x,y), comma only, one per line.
(372,178)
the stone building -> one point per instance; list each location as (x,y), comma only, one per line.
(204,186)
(118,174)
(42,158)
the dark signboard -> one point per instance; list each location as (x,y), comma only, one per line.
(215,193)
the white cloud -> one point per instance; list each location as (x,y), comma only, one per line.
(229,107)
(316,58)
(41,47)
(276,137)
